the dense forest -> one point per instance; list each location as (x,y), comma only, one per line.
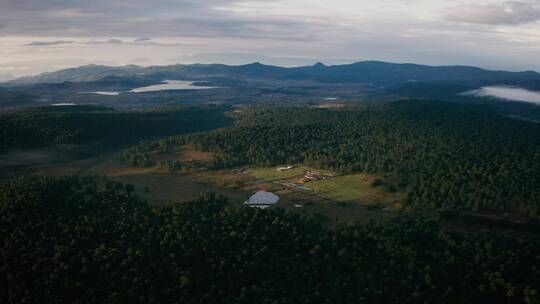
(46,126)
(445,155)
(83,240)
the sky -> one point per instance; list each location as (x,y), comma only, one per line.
(47,35)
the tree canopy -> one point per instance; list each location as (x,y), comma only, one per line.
(46,126)
(445,155)
(76,240)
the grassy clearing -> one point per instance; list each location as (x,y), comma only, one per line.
(344,188)
(354,188)
(155,185)
(270,173)
(167,187)
(224,178)
(185,155)
(192,155)
(159,186)
(329,211)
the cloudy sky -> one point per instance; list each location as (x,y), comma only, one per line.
(44,35)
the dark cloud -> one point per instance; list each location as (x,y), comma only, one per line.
(507,13)
(48,43)
(142,18)
(135,42)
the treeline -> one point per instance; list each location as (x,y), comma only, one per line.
(446,155)
(70,240)
(38,127)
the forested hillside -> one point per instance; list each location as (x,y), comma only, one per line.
(11,99)
(47,126)
(446,156)
(82,240)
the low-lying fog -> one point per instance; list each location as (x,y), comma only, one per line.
(31,156)
(507,93)
(39,156)
(167,85)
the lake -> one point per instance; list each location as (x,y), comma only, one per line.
(171,85)
(63,104)
(507,93)
(101,93)
(167,85)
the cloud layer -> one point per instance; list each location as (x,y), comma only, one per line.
(507,13)
(491,33)
(125,18)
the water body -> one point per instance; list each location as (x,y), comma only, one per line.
(101,93)
(167,85)
(171,85)
(507,93)
(63,104)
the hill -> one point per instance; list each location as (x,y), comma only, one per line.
(84,73)
(73,125)
(445,156)
(12,99)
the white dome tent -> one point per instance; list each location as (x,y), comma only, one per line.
(262,199)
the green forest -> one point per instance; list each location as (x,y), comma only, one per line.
(86,240)
(47,126)
(446,156)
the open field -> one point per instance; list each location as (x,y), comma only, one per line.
(338,198)
(270,173)
(186,155)
(355,188)
(309,203)
(168,187)
(155,185)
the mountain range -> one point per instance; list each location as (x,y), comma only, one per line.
(365,72)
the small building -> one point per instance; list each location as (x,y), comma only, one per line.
(311,176)
(262,199)
(284,168)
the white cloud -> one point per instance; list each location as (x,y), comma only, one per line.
(506,13)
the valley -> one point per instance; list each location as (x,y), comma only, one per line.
(270,152)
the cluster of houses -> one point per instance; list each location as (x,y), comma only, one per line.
(310,176)
(264,199)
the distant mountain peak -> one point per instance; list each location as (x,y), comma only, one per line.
(255,64)
(319,65)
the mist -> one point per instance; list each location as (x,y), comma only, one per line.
(508,94)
